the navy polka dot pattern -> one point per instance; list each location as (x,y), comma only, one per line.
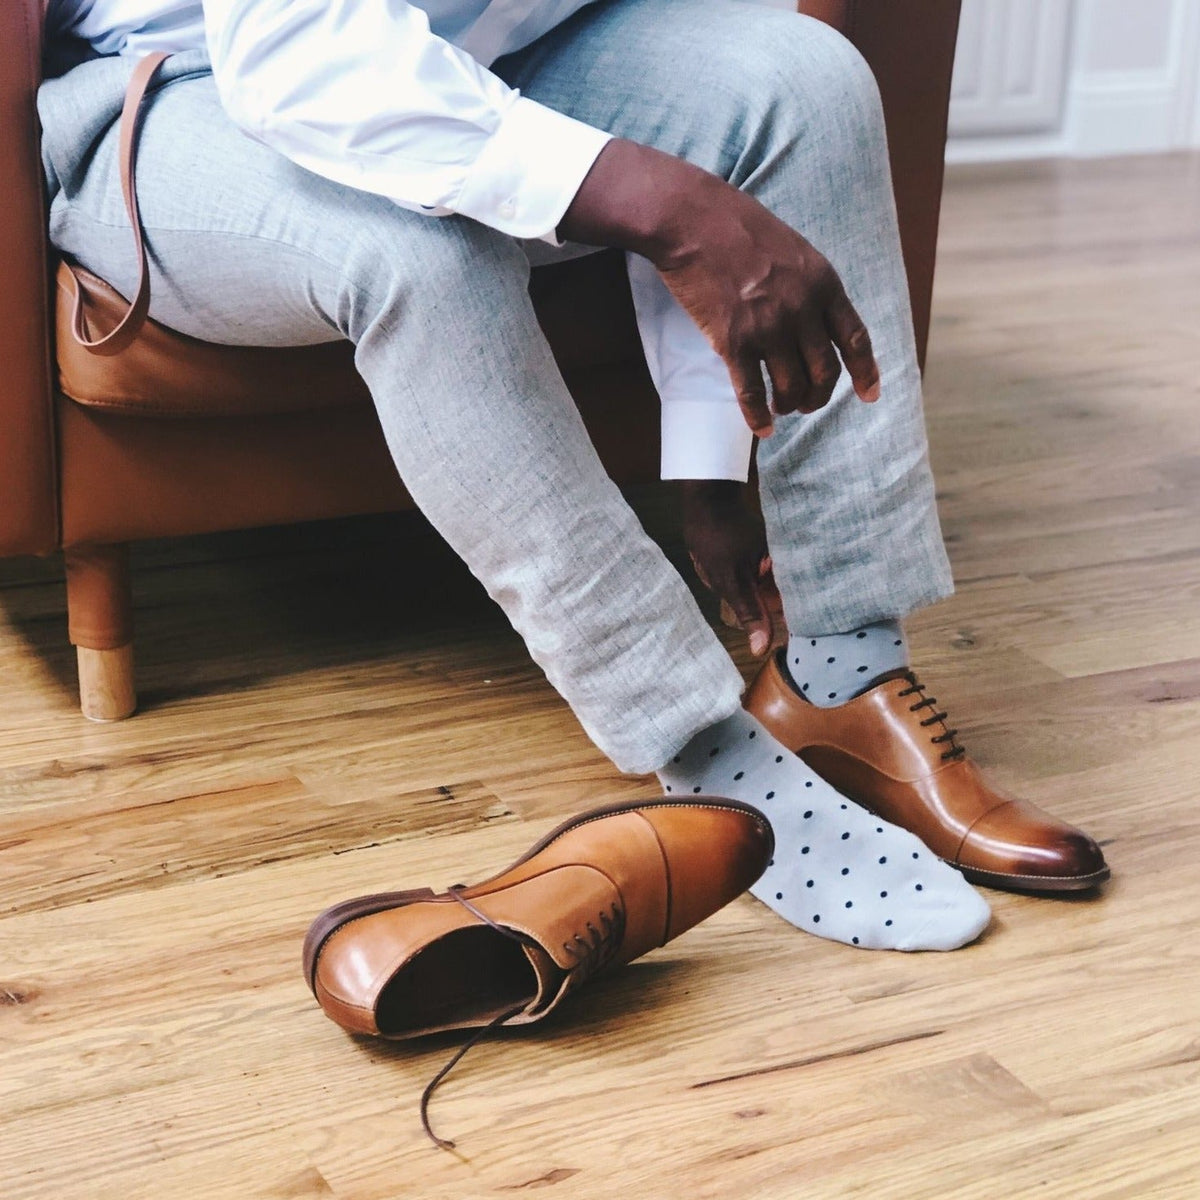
(862,882)
(832,669)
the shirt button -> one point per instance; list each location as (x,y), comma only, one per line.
(508,208)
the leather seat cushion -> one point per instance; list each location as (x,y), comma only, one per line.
(583,305)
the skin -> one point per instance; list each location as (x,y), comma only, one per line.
(764,297)
(728,547)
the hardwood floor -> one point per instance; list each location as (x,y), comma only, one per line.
(334,710)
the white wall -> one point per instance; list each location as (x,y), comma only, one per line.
(1075,77)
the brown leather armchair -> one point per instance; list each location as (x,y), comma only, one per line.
(173,436)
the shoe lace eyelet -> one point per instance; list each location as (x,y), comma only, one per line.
(935,716)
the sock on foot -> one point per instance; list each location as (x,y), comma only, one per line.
(830,669)
(838,871)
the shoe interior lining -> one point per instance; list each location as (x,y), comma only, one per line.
(468,976)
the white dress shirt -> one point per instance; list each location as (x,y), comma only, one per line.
(396,99)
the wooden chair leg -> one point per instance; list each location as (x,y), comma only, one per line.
(100,619)
(106,689)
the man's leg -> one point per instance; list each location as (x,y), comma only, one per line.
(249,249)
(790,113)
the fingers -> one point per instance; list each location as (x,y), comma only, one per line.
(701,573)
(790,388)
(747,603)
(751,614)
(803,375)
(747,378)
(822,366)
(850,336)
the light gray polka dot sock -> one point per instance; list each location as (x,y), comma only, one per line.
(831,669)
(838,871)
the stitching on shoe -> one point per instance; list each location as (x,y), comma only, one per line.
(1036,878)
(745,811)
(666,862)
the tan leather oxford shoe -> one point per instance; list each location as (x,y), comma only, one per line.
(598,891)
(891,751)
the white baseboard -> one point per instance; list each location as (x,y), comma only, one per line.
(1122,117)
(1005,149)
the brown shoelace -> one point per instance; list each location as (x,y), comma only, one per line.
(591,953)
(915,687)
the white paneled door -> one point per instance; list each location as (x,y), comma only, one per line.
(1075,77)
(1011,70)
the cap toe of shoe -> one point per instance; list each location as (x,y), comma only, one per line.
(1019,840)
(714,851)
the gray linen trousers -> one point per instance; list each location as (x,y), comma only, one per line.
(248,248)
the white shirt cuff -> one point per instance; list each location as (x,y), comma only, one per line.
(530,170)
(705,439)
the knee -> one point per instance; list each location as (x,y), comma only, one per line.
(804,60)
(813,90)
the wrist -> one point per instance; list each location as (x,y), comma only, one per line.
(707,495)
(639,199)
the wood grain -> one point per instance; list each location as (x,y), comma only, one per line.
(336,709)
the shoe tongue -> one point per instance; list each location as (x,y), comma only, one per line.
(549,911)
(550,977)
(552,910)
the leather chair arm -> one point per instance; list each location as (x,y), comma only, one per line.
(28,491)
(909,44)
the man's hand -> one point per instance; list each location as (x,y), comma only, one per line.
(760,292)
(728,547)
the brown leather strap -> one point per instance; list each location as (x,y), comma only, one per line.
(127,328)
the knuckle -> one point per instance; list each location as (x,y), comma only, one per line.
(787,383)
(739,339)
(750,387)
(825,375)
(859,340)
(828,280)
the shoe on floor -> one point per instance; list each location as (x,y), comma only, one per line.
(601,890)
(891,751)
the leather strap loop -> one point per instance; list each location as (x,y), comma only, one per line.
(127,328)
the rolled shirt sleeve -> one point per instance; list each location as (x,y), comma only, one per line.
(704,434)
(364,94)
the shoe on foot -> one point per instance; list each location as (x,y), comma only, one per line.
(838,872)
(599,891)
(891,750)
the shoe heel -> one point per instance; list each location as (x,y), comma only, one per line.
(335,917)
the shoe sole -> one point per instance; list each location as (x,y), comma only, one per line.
(1036,885)
(336,916)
